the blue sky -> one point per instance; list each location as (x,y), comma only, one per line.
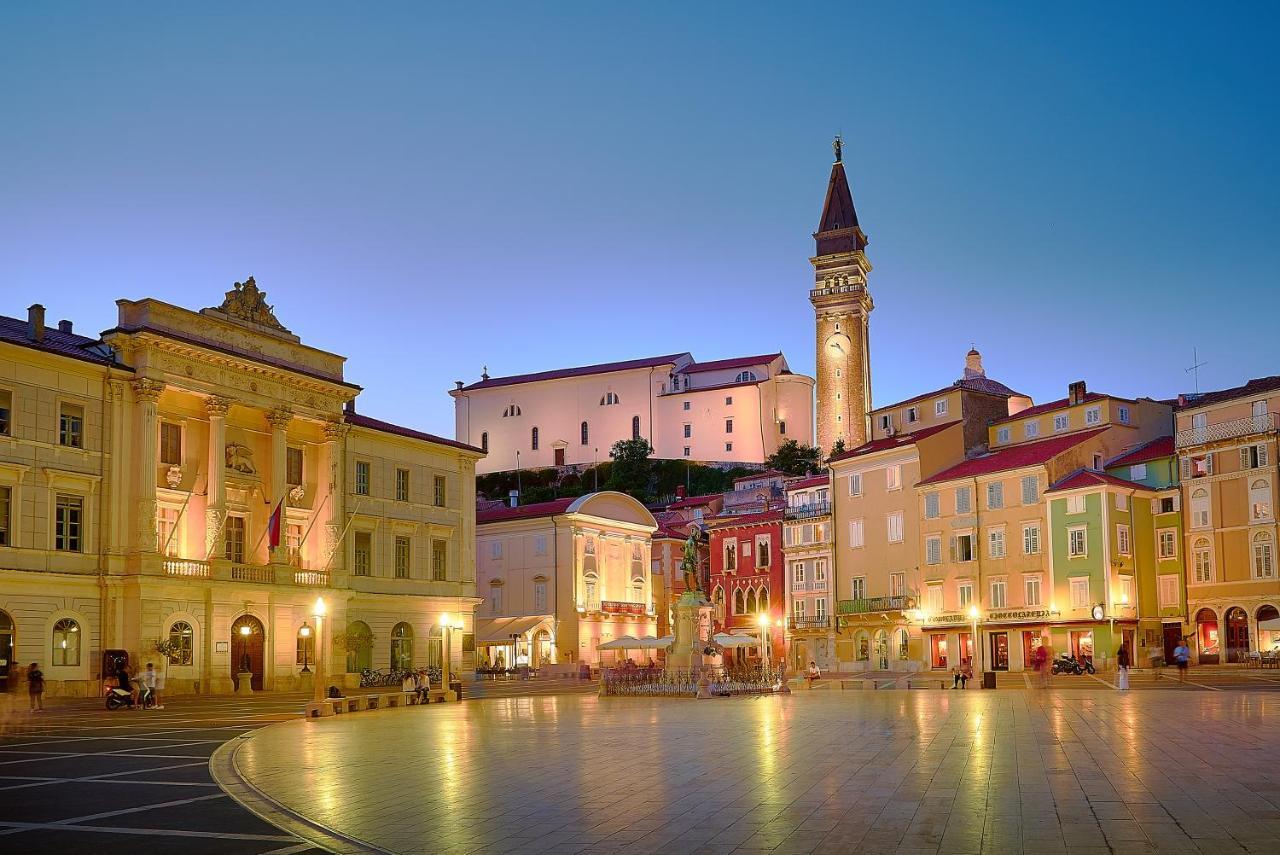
(1082,192)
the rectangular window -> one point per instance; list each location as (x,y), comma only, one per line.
(439,490)
(797,572)
(728,425)
(894,524)
(897,584)
(1124,596)
(688,430)
(540,597)
(893,477)
(964,500)
(362,478)
(363,549)
(855,484)
(1061,422)
(1032,587)
(820,570)
(6,412)
(68,524)
(1137,472)
(1166,543)
(686,451)
(998,594)
(934,599)
(1031,430)
(995,495)
(1075,504)
(1079,593)
(1031,539)
(293,466)
(1203,561)
(1123,544)
(964,547)
(439,560)
(1123,413)
(931,506)
(403,551)
(782,427)
(940,407)
(1253,456)
(170,444)
(166,534)
(495,550)
(71,426)
(728,446)
(933,550)
(913,415)
(1077,545)
(1093,416)
(1122,501)
(1030,489)
(728,400)
(684,406)
(293,543)
(730,555)
(540,545)
(820,608)
(1200,509)
(402,485)
(5,498)
(1002,435)
(965,592)
(1168,592)
(858,588)
(797,609)
(995,543)
(233,539)
(855,533)
(495,598)
(886,421)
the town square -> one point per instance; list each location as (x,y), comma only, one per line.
(602,428)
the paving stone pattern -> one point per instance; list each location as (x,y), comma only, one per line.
(1062,771)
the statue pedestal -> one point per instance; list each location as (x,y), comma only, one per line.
(245,686)
(693,633)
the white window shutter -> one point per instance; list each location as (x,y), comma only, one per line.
(1155,506)
(1262,455)
(1244,457)
(1208,464)
(1177,501)
(1186,469)
(953,548)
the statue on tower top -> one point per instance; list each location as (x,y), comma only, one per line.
(837,145)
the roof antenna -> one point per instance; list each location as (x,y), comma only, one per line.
(1196,365)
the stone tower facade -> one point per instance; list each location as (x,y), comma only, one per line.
(842,305)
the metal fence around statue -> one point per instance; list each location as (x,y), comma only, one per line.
(683,682)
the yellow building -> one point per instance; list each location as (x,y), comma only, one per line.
(1226,445)
(141,474)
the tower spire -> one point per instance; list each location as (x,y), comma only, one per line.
(838,230)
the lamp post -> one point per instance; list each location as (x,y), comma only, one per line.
(446,657)
(976,652)
(317,612)
(764,637)
(305,632)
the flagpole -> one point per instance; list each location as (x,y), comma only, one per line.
(315,516)
(267,528)
(343,536)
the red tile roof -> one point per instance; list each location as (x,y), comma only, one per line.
(982,385)
(1153,450)
(812,481)
(538,509)
(1092,478)
(670,531)
(891,442)
(1060,404)
(15,330)
(768,473)
(1256,386)
(582,371)
(728,364)
(358,420)
(1016,457)
(731,520)
(694,501)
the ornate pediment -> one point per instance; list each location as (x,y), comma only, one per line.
(247,302)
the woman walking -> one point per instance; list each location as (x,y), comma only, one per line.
(1122,662)
(35,687)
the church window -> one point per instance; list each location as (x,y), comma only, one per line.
(586,436)
(533,439)
(511,411)
(609,399)
(746,377)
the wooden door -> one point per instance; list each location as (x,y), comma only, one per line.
(248,641)
(1172,637)
(999,651)
(559,456)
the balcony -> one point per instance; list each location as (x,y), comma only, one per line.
(871,605)
(806,512)
(311,578)
(799,624)
(252,573)
(187,568)
(1225,430)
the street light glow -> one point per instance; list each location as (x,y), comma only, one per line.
(444,619)
(763,620)
(973,612)
(318,609)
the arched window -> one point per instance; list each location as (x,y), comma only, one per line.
(511,411)
(484,441)
(635,427)
(306,646)
(180,640)
(66,642)
(533,439)
(751,601)
(717,601)
(586,437)
(903,644)
(359,644)
(608,399)
(591,591)
(746,377)
(401,647)
(862,646)
(435,647)
(637,591)
(764,599)
(1202,560)
(1260,500)
(739,602)
(1263,568)
(1200,509)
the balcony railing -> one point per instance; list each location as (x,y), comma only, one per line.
(252,573)
(1225,430)
(796,623)
(311,578)
(869,605)
(809,511)
(187,567)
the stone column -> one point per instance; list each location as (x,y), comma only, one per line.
(333,511)
(279,419)
(215,507)
(146,393)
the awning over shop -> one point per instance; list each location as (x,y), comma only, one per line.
(728,640)
(492,631)
(626,642)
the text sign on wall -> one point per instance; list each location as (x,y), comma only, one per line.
(617,607)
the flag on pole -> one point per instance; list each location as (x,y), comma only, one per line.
(273,526)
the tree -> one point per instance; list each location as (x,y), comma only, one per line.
(792,458)
(838,448)
(631,471)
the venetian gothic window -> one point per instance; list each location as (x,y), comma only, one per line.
(739,602)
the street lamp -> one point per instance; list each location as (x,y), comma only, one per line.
(317,612)
(305,632)
(446,658)
(975,651)
(764,636)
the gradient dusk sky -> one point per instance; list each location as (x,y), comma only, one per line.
(1081,190)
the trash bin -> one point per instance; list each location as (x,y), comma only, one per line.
(988,679)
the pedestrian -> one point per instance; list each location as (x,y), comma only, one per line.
(1182,656)
(35,687)
(1122,664)
(122,679)
(966,672)
(814,673)
(149,682)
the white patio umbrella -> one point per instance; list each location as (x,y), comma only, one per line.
(728,640)
(625,642)
(1272,625)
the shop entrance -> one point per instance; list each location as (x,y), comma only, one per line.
(938,651)
(1172,637)
(1237,635)
(999,651)
(1207,636)
(248,640)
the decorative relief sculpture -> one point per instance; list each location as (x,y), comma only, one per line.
(212,529)
(173,477)
(147,525)
(280,417)
(147,391)
(331,535)
(216,405)
(249,303)
(240,459)
(296,494)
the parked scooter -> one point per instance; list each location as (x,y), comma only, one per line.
(1068,664)
(120,698)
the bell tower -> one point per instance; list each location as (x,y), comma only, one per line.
(841,306)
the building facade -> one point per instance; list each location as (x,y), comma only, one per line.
(747,562)
(806,548)
(724,411)
(140,505)
(561,578)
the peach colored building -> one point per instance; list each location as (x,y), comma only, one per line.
(729,410)
(806,549)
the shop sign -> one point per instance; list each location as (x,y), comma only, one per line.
(956,618)
(1032,614)
(617,607)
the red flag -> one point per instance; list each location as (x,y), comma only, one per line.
(273,526)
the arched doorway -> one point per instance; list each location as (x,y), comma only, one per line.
(401,647)
(6,650)
(542,648)
(359,644)
(435,646)
(882,650)
(1268,639)
(248,641)
(1237,635)
(1207,637)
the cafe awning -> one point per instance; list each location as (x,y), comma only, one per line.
(491,631)
(724,639)
(1272,625)
(626,642)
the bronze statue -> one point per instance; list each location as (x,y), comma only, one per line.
(838,145)
(689,564)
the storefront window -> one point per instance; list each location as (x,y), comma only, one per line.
(1207,636)
(966,647)
(938,651)
(1082,644)
(1031,642)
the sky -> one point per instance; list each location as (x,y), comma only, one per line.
(1081,191)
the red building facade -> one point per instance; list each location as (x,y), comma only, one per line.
(747,573)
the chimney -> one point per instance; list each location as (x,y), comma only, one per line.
(973,365)
(457,385)
(513,498)
(35,322)
(349,407)
(679,491)
(1075,393)
(64,326)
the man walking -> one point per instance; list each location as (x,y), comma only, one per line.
(1182,656)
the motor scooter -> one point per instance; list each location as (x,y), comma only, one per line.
(1068,664)
(119,698)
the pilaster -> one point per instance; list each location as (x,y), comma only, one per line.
(146,393)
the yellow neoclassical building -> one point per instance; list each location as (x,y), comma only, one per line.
(142,474)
